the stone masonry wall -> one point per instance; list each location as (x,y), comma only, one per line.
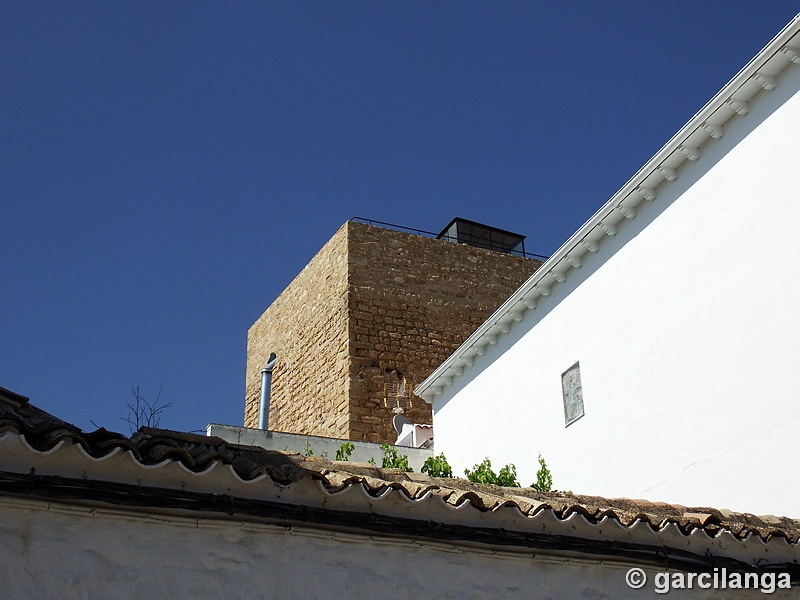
(373,307)
(306,326)
(413,300)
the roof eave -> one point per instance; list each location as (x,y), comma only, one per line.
(707,124)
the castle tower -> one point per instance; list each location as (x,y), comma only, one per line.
(371,315)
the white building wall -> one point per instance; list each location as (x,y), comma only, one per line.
(687,328)
(51,551)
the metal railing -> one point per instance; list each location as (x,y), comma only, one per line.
(436,235)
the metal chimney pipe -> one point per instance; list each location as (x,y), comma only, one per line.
(266,384)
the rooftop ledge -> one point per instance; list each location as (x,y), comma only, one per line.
(312,445)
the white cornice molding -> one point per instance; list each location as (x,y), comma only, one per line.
(758,75)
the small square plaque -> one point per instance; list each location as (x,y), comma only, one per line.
(573,394)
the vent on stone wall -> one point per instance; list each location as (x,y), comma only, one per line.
(397,396)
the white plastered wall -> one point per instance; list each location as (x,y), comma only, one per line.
(63,552)
(687,328)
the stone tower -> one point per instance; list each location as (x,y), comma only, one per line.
(375,308)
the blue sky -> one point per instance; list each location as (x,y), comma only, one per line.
(167,168)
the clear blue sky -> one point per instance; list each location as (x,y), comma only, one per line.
(167,168)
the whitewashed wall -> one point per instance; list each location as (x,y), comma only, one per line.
(52,552)
(687,328)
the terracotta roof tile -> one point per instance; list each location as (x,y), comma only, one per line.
(198,453)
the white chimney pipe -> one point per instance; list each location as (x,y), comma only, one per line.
(266,384)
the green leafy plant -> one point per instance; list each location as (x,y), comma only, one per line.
(393,460)
(437,466)
(345,450)
(309,451)
(483,473)
(507,477)
(544,479)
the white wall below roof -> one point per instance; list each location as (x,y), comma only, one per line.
(65,553)
(687,336)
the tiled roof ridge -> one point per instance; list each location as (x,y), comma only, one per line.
(198,453)
(452,533)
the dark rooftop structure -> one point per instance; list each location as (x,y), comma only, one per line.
(463,231)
